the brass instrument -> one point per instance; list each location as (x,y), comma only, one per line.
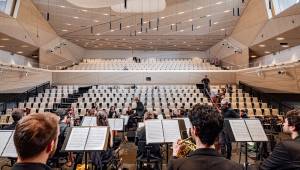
(185,147)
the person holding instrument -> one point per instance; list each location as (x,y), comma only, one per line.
(207,123)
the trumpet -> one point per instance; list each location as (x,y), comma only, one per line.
(186,146)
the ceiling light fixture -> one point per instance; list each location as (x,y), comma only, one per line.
(179,13)
(68,24)
(20,52)
(200,7)
(24,46)
(4,39)
(219,3)
(84,10)
(253,56)
(279,38)
(262,45)
(96,20)
(223,29)
(105,14)
(62,6)
(64,30)
(75,17)
(267,52)
(2,46)
(226,11)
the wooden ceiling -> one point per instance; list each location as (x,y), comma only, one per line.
(212,21)
(16,46)
(281,42)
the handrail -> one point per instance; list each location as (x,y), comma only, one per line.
(269,98)
(25,95)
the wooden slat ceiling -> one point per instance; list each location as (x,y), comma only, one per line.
(74,24)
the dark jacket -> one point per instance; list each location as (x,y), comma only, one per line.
(30,166)
(203,159)
(139,108)
(286,155)
(230,113)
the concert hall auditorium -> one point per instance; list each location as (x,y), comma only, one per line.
(149,85)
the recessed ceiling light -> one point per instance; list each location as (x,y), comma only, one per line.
(64,30)
(68,24)
(76,40)
(2,46)
(154,29)
(75,17)
(128,26)
(179,13)
(4,39)
(145,22)
(279,38)
(198,27)
(96,20)
(112,30)
(98,34)
(139,32)
(200,7)
(215,23)
(20,52)
(262,45)
(285,46)
(62,6)
(208,15)
(253,56)
(223,29)
(226,11)
(105,14)
(190,20)
(220,2)
(162,17)
(24,46)
(181,30)
(84,10)
(184,42)
(267,52)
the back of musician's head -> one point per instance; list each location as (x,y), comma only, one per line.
(148,115)
(207,123)
(293,118)
(35,133)
(17,115)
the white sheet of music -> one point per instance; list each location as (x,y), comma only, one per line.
(126,118)
(116,124)
(86,121)
(77,139)
(240,131)
(93,121)
(160,117)
(141,124)
(171,130)
(154,131)
(187,123)
(97,138)
(5,135)
(256,130)
(10,150)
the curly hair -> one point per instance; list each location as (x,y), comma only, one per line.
(293,118)
(207,121)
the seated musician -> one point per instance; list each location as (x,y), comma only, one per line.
(140,141)
(286,155)
(35,138)
(16,115)
(112,112)
(207,124)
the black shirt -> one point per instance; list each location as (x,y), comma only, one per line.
(30,166)
(205,81)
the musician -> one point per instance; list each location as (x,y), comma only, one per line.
(112,112)
(140,140)
(207,124)
(286,155)
(16,115)
(35,140)
(224,139)
(139,107)
(206,83)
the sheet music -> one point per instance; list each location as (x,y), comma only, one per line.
(86,121)
(93,121)
(5,135)
(154,131)
(187,123)
(77,139)
(89,121)
(171,130)
(141,124)
(126,118)
(116,124)
(256,130)
(97,138)
(10,150)
(240,131)
(160,117)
